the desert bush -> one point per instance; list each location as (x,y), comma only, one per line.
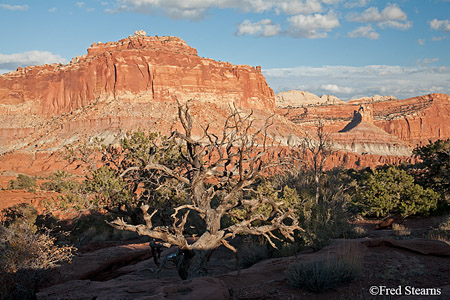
(324,274)
(23,182)
(400,230)
(107,188)
(442,232)
(434,169)
(355,232)
(61,182)
(323,221)
(328,220)
(25,253)
(71,200)
(15,215)
(251,252)
(391,190)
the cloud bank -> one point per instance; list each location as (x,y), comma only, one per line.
(348,82)
(14,7)
(9,62)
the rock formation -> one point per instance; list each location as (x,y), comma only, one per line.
(413,121)
(294,98)
(363,137)
(363,114)
(139,68)
(375,98)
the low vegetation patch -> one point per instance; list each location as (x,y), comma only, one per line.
(23,182)
(251,252)
(323,275)
(400,230)
(25,253)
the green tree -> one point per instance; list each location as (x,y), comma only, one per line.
(434,169)
(391,190)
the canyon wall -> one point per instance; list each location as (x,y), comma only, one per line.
(413,121)
(138,68)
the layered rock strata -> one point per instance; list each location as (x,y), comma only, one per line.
(139,68)
(363,137)
(414,121)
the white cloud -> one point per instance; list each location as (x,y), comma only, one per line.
(357,3)
(52,10)
(365,32)
(348,82)
(391,12)
(441,25)
(14,7)
(312,26)
(299,7)
(82,5)
(395,24)
(391,16)
(335,89)
(196,9)
(421,42)
(262,28)
(438,38)
(426,61)
(10,62)
(301,26)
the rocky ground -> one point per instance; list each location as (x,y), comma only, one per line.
(389,259)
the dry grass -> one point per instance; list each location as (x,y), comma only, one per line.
(442,233)
(328,273)
(400,230)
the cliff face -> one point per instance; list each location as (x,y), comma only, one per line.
(413,121)
(139,68)
(363,137)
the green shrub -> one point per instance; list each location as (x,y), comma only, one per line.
(108,188)
(324,221)
(23,182)
(391,190)
(434,169)
(323,275)
(61,182)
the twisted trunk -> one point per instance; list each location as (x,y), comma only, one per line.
(193,263)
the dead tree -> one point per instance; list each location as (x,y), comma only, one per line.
(316,149)
(218,170)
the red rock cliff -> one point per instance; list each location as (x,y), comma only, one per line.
(414,120)
(136,69)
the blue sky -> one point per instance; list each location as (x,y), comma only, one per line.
(345,48)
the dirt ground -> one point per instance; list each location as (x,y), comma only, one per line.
(126,272)
(112,271)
